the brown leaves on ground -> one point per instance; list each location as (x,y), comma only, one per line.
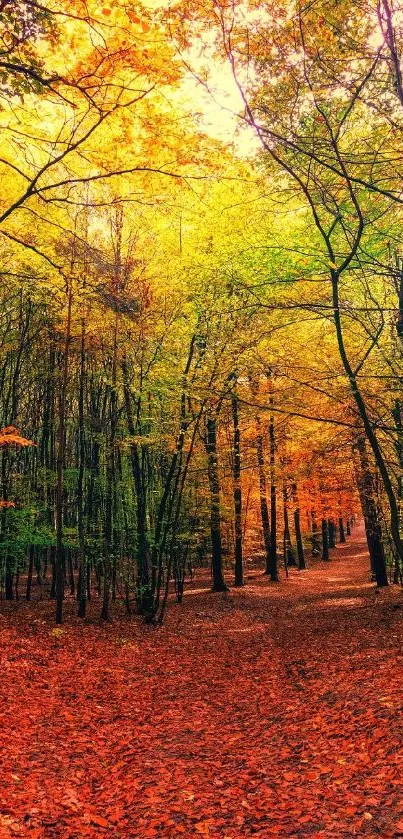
(270,711)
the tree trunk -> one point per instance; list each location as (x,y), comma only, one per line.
(143,548)
(342,536)
(109,542)
(59,564)
(273,503)
(331,529)
(264,511)
(289,558)
(238,581)
(31,551)
(215,512)
(297,527)
(82,572)
(315,535)
(325,541)
(373,531)
(9,578)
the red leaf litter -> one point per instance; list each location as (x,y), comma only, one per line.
(271,711)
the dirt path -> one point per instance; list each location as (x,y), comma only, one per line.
(273,711)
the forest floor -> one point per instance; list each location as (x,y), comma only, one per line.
(271,711)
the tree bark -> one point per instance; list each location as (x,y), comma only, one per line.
(273,570)
(238,581)
(289,558)
(31,551)
(342,535)
(325,541)
(297,527)
(373,530)
(82,573)
(59,563)
(215,512)
(331,529)
(264,510)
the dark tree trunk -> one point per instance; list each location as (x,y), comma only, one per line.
(297,527)
(238,581)
(82,571)
(31,551)
(264,511)
(273,571)
(289,558)
(315,535)
(143,548)
(109,546)
(53,581)
(9,579)
(331,529)
(342,536)
(373,530)
(325,541)
(59,564)
(215,512)
(71,571)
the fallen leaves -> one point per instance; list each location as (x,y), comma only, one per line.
(99,820)
(289,728)
(204,827)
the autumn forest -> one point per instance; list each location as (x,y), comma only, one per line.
(201,419)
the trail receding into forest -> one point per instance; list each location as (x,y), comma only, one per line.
(274,710)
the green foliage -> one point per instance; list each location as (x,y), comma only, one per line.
(23,25)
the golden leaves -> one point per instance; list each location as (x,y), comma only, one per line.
(10,436)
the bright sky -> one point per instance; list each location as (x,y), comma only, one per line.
(218,111)
(218,102)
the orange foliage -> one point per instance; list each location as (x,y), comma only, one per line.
(10,436)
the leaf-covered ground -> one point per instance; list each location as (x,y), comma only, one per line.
(270,711)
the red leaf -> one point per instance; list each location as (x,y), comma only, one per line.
(99,820)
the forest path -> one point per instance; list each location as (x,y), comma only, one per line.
(271,711)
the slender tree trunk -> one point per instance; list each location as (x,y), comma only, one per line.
(82,574)
(325,541)
(143,548)
(315,534)
(289,558)
(373,531)
(264,511)
(178,494)
(31,551)
(109,558)
(59,564)
(273,503)
(238,581)
(215,511)
(9,578)
(331,529)
(297,526)
(71,570)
